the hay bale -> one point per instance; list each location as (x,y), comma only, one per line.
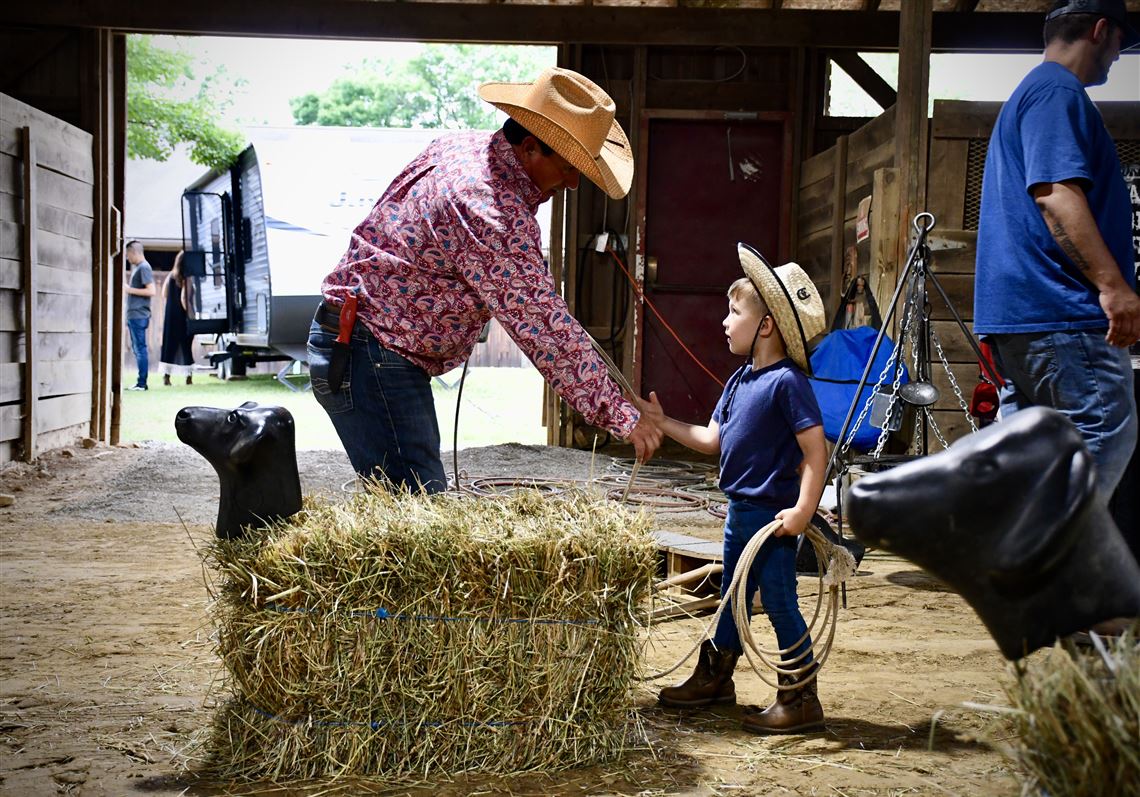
(1078,722)
(399,635)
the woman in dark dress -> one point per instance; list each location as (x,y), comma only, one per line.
(176,357)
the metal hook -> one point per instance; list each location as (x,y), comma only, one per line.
(922,230)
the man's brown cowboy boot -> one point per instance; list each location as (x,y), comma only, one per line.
(795,711)
(711,682)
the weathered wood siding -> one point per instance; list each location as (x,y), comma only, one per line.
(832,183)
(61,179)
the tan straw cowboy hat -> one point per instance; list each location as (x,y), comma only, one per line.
(575,118)
(792,299)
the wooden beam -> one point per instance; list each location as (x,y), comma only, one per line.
(536,24)
(838,217)
(116,77)
(28,278)
(871,5)
(94,87)
(964,6)
(911,124)
(865,77)
(631,353)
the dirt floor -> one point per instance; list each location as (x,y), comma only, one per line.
(108,673)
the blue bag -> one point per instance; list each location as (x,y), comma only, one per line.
(837,363)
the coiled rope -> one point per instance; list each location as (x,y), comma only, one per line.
(840,567)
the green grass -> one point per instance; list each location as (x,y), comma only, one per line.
(500,405)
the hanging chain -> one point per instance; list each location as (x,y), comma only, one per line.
(934,428)
(885,432)
(867,404)
(916,433)
(953,380)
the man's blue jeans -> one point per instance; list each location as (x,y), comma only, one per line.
(137,327)
(383,413)
(773,571)
(1080,375)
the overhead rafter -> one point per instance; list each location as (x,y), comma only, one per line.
(865,77)
(480,22)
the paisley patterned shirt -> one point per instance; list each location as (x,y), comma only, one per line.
(454,241)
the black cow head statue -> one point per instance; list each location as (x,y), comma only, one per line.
(1011,519)
(253,449)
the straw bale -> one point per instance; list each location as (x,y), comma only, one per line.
(1077,717)
(405,635)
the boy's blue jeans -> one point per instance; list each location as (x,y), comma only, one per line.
(773,571)
(383,413)
(137,327)
(1080,375)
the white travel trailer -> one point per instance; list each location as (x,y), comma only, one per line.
(259,237)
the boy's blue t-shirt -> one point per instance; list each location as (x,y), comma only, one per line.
(760,413)
(1048,131)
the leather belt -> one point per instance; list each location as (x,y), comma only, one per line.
(328,316)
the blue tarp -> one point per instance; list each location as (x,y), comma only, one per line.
(837,363)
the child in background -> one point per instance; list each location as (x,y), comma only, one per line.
(768,431)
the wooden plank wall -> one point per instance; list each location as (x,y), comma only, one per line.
(958,130)
(62,178)
(832,183)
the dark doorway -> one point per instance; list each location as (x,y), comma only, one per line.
(711,180)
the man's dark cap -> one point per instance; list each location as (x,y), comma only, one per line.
(1112,9)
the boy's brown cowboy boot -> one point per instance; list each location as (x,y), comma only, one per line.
(711,682)
(795,711)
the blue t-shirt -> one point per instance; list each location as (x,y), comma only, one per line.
(760,413)
(1048,131)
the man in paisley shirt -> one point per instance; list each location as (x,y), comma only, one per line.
(453,242)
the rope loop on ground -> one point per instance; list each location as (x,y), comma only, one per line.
(840,567)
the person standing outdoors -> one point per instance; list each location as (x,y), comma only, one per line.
(1055,294)
(140,290)
(176,355)
(452,243)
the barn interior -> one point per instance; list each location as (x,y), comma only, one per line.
(725,104)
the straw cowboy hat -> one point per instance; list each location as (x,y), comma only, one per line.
(792,299)
(575,118)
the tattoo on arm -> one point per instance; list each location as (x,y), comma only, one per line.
(1061,236)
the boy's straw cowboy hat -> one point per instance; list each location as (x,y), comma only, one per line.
(792,299)
(575,118)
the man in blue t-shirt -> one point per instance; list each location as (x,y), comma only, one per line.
(1055,293)
(139,290)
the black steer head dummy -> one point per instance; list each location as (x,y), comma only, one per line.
(254,451)
(1010,518)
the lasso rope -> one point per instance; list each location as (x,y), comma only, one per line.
(840,567)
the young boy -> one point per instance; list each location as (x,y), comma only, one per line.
(768,431)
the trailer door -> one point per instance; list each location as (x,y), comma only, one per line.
(207,242)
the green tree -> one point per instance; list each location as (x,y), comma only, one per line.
(164,109)
(378,94)
(435,89)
